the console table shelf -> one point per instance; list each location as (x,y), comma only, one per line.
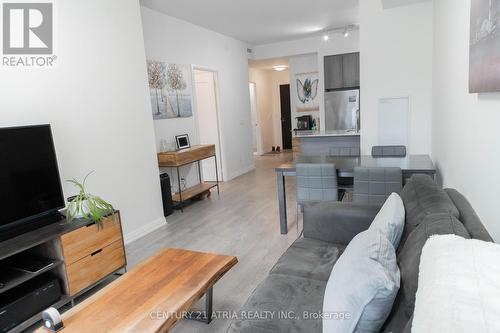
(193,191)
(19,277)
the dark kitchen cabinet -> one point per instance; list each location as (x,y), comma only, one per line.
(342,71)
(334,72)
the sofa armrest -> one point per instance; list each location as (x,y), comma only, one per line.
(337,222)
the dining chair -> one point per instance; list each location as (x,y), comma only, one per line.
(345,183)
(315,183)
(345,151)
(374,185)
(389,151)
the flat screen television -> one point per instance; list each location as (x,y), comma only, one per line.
(30,187)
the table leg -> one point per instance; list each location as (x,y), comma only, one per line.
(282,202)
(199,172)
(216,175)
(206,316)
(180,189)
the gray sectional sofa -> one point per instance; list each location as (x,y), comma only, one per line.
(296,284)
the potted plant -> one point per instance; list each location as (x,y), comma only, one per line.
(86,205)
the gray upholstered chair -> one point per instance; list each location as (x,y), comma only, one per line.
(345,151)
(389,151)
(345,183)
(375,185)
(315,183)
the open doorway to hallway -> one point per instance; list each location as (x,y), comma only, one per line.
(207,118)
(271,105)
(256,137)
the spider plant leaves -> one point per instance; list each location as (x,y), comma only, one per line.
(86,205)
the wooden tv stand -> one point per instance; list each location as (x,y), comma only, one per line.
(83,255)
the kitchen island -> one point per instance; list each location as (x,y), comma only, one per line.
(314,143)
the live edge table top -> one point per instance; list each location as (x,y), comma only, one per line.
(169,283)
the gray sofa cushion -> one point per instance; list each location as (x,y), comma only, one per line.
(421,197)
(282,294)
(309,258)
(409,261)
(337,222)
(469,217)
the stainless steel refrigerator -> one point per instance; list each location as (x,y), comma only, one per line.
(342,110)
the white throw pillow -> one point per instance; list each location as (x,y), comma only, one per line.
(390,220)
(362,286)
(458,286)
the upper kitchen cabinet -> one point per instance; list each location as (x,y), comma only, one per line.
(342,71)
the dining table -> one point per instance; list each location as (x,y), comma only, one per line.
(409,165)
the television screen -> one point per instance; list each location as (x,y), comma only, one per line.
(30,185)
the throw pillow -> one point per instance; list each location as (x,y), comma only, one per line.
(390,220)
(362,286)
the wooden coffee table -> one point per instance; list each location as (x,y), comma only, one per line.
(153,296)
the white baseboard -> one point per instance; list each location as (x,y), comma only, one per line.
(144,230)
(240,172)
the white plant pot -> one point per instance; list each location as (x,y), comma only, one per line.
(82,211)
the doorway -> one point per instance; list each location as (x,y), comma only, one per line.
(256,143)
(207,116)
(286,116)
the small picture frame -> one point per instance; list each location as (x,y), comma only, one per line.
(182,141)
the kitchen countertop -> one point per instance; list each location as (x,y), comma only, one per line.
(318,134)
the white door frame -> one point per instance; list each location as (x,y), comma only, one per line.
(220,133)
(258,134)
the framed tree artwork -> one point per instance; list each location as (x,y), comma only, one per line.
(170,90)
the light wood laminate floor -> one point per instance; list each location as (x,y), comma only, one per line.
(243,222)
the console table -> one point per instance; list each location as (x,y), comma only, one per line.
(83,255)
(180,158)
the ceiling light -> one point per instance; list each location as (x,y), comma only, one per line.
(344,31)
(280,68)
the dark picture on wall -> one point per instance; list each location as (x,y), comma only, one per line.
(484,67)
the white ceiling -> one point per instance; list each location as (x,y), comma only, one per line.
(261,21)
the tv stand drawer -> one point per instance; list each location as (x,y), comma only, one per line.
(82,242)
(95,266)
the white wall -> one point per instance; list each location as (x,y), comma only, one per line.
(97,102)
(466,143)
(396,60)
(174,41)
(303,50)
